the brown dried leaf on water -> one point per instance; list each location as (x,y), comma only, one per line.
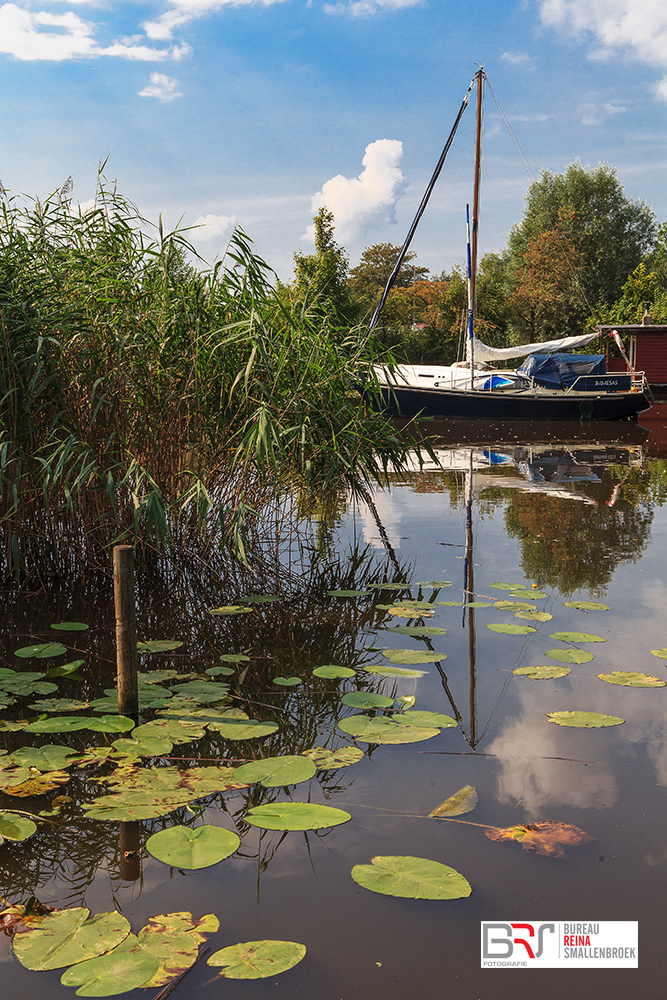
(39,783)
(23,913)
(545,837)
(463,801)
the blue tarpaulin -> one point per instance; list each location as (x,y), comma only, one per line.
(558,371)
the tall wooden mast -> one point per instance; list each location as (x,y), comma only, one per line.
(478,166)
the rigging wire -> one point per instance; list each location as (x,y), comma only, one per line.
(517,145)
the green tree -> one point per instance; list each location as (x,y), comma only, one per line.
(647,283)
(610,232)
(320,279)
(368,279)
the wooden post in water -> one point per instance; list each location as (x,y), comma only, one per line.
(126,631)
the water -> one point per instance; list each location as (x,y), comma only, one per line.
(546,511)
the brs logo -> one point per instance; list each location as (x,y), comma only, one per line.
(514,940)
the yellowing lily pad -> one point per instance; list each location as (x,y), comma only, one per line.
(273,772)
(586,605)
(257,959)
(461,802)
(158,646)
(660,652)
(411,878)
(570,655)
(382,671)
(412,656)
(627,678)
(584,720)
(576,637)
(367,729)
(535,616)
(512,629)
(230,609)
(68,936)
(417,630)
(545,673)
(331,759)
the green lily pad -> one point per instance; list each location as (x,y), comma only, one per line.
(478,604)
(584,720)
(586,605)
(530,595)
(331,670)
(366,699)
(367,729)
(13,727)
(391,586)
(70,626)
(411,878)
(240,729)
(58,724)
(146,793)
(417,630)
(257,959)
(570,655)
(13,826)
(66,669)
(463,801)
(66,937)
(630,679)
(204,692)
(450,604)
(287,682)
(175,730)
(234,658)
(273,772)
(428,719)
(576,637)
(220,671)
(545,673)
(181,847)
(412,656)
(382,671)
(535,616)
(513,606)
(117,972)
(326,760)
(348,593)
(230,609)
(512,629)
(660,652)
(435,583)
(402,611)
(48,758)
(158,646)
(295,816)
(58,705)
(41,651)
(110,724)
(507,586)
(148,746)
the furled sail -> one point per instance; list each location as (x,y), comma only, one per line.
(484,353)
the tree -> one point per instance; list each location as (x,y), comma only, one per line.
(320,279)
(609,231)
(647,283)
(368,279)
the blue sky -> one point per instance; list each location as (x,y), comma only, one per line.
(255,112)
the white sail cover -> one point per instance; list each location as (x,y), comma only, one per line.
(484,353)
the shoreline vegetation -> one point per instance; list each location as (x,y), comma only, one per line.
(193,413)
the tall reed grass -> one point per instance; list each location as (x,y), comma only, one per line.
(146,399)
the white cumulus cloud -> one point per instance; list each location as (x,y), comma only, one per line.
(635,26)
(32,35)
(353,199)
(162,87)
(213,226)
(183,11)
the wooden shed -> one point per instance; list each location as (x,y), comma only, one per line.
(646,347)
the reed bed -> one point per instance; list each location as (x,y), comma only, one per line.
(146,399)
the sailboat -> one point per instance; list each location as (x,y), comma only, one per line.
(551,384)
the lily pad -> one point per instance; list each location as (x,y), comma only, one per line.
(174,940)
(450,604)
(13,826)
(435,583)
(478,604)
(412,656)
(627,678)
(401,611)
(512,629)
(331,671)
(273,772)
(257,959)
(38,784)
(110,724)
(175,730)
(531,595)
(148,746)
(203,691)
(158,646)
(507,586)
(660,652)
(145,793)
(366,699)
(66,937)
(570,655)
(58,705)
(417,630)
(546,673)
(535,616)
(52,757)
(586,605)
(513,606)
(391,586)
(182,847)
(411,878)
(584,720)
(381,730)
(234,728)
(66,669)
(576,637)
(287,682)
(70,626)
(117,972)
(382,671)
(427,719)
(41,651)
(230,609)
(58,724)
(260,598)
(461,802)
(326,760)
(295,816)
(348,593)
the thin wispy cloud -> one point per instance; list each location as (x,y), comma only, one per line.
(162,87)
(183,11)
(517,59)
(635,26)
(40,35)
(366,8)
(377,188)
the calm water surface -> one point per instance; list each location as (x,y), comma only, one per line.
(580,513)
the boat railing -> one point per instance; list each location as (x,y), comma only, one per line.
(611,382)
